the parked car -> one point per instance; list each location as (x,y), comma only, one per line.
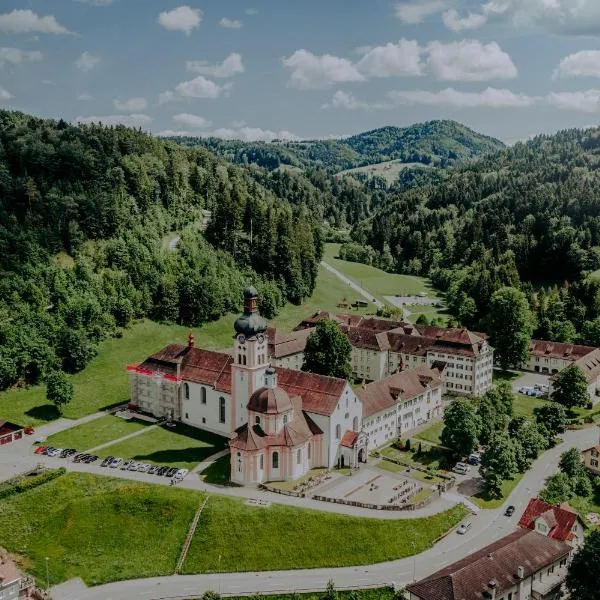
(143,468)
(161,471)
(71,452)
(474,459)
(115,463)
(107,461)
(463,528)
(126,464)
(509,511)
(48,451)
(180,474)
(171,472)
(134,466)
(40,450)
(461,468)
(80,457)
(152,470)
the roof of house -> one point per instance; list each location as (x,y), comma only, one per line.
(559,518)
(590,365)
(420,345)
(496,564)
(564,351)
(349,439)
(596,448)
(450,334)
(8,427)
(368,339)
(298,430)
(352,320)
(283,344)
(385,393)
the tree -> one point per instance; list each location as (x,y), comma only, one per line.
(553,416)
(491,420)
(328,351)
(511,325)
(330,591)
(59,389)
(558,489)
(527,440)
(571,463)
(583,577)
(570,387)
(499,459)
(461,427)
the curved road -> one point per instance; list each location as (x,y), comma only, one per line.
(487,527)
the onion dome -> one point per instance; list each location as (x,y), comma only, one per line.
(250,323)
(270,401)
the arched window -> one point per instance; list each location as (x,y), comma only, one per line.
(338,432)
(203,395)
(186,391)
(261,462)
(221,410)
(239,359)
(285,419)
(309,445)
(355,424)
(276,460)
(239,462)
(257,420)
(299,456)
(244,359)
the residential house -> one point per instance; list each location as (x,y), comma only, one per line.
(559,522)
(287,349)
(591,459)
(394,406)
(524,565)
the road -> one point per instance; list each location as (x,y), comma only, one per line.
(487,526)
(353,285)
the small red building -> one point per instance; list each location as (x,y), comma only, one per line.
(9,432)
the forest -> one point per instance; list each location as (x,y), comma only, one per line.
(438,143)
(84,214)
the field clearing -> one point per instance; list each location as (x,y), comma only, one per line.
(432,434)
(389,169)
(104,382)
(180,446)
(483,499)
(96,432)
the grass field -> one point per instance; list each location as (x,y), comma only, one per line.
(181,446)
(432,434)
(524,405)
(97,528)
(219,472)
(105,529)
(104,381)
(281,537)
(96,432)
(389,169)
(432,458)
(483,499)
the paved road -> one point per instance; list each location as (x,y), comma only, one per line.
(353,285)
(487,526)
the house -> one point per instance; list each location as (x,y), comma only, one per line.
(394,406)
(591,459)
(287,349)
(521,566)
(13,584)
(10,432)
(268,412)
(559,522)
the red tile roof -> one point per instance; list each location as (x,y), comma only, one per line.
(544,348)
(283,344)
(368,339)
(8,427)
(385,393)
(349,439)
(559,519)
(350,320)
(470,578)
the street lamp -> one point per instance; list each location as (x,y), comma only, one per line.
(47,575)
(219,574)
(414,561)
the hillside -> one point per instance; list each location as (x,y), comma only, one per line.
(528,216)
(435,142)
(84,211)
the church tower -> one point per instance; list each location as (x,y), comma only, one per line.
(250,357)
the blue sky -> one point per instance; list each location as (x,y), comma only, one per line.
(258,69)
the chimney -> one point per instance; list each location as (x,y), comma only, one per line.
(191,339)
(492,585)
(270,378)
(520,572)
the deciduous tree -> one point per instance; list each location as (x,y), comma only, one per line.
(328,351)
(570,387)
(59,389)
(462,426)
(583,578)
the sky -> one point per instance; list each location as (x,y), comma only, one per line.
(265,69)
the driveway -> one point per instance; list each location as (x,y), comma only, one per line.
(529,380)
(353,285)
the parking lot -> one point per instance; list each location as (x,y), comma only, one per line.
(527,379)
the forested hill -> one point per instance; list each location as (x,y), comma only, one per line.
(528,214)
(84,211)
(435,142)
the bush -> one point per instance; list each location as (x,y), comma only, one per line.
(407,446)
(589,405)
(22,485)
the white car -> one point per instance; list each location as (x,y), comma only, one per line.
(180,474)
(143,468)
(461,468)
(116,463)
(463,528)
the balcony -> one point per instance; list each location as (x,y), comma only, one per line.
(549,587)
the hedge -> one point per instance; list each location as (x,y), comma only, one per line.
(28,483)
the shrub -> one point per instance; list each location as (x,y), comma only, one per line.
(407,446)
(22,485)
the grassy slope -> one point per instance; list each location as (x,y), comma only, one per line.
(107,529)
(97,432)
(183,447)
(104,382)
(281,537)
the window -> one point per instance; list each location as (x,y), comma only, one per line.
(276,460)
(203,395)
(308,456)
(594,462)
(204,419)
(221,410)
(244,359)
(257,420)
(355,424)
(187,416)
(285,419)
(299,456)
(186,391)
(261,462)
(338,432)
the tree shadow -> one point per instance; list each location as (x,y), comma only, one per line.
(44,412)
(177,456)
(471,487)
(218,473)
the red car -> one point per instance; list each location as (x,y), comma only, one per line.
(29,430)
(40,449)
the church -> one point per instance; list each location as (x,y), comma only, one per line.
(281,422)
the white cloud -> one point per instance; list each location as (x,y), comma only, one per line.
(237,124)
(251,11)
(490,97)
(24,21)
(584,101)
(192,121)
(403,58)
(133,120)
(85,97)
(310,71)
(96,2)
(452,20)
(345,100)
(580,64)
(15,56)
(469,60)
(86,61)
(5,94)
(183,18)
(416,12)
(228,68)
(199,87)
(230,23)
(245,133)
(130,105)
